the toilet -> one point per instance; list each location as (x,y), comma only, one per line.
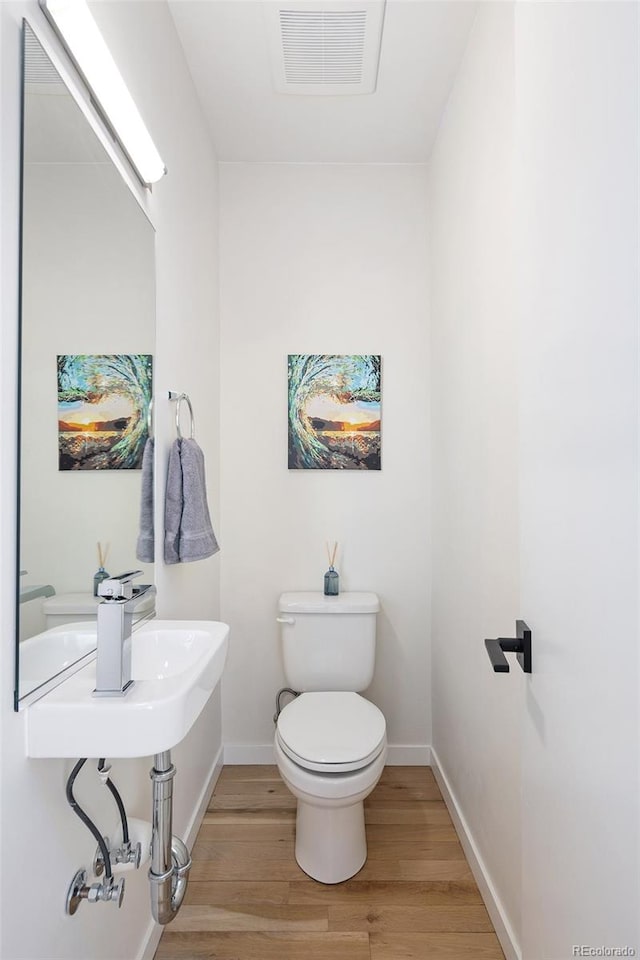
(330,742)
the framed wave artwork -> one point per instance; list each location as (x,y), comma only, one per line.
(103,410)
(334,411)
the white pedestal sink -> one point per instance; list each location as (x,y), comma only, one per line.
(176,665)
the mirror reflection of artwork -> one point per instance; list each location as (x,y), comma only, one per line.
(334,412)
(87,290)
(103,410)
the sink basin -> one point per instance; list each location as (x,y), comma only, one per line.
(49,653)
(176,665)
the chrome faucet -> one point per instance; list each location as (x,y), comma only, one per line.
(120,600)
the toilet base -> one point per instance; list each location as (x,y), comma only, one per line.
(331,844)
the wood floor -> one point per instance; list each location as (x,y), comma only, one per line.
(414,899)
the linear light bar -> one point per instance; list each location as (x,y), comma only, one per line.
(79,33)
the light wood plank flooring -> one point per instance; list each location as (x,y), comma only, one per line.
(414,899)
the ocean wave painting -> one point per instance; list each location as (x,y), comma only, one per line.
(103,410)
(334,411)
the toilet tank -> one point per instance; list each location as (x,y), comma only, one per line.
(80,607)
(328,643)
(70,608)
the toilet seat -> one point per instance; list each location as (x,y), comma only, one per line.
(331,732)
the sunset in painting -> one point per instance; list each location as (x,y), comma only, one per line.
(334,412)
(77,415)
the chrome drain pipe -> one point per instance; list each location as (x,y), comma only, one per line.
(170,859)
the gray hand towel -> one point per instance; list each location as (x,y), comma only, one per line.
(196,538)
(146,540)
(173,505)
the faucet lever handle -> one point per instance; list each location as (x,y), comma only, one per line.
(118,587)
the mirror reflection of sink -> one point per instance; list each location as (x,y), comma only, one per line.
(53,651)
(176,665)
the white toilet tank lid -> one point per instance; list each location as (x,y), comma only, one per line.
(334,728)
(73,604)
(83,604)
(316,602)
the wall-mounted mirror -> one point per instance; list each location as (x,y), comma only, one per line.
(87,344)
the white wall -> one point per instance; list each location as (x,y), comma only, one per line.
(474,379)
(323,259)
(577,192)
(42,843)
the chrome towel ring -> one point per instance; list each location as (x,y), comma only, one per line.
(179,397)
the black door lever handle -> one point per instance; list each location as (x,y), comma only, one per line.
(520,645)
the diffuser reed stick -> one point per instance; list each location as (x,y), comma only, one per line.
(331,554)
(102,554)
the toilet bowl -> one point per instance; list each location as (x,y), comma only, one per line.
(330,750)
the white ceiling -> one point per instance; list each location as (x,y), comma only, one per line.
(226,46)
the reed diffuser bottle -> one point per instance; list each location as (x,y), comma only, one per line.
(331,577)
(100,574)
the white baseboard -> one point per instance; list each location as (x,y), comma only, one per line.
(491,899)
(205,797)
(248,753)
(408,754)
(150,942)
(154,930)
(262,753)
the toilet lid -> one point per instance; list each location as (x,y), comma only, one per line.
(333,732)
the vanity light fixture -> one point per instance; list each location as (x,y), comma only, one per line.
(78,31)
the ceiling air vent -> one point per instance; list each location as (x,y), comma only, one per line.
(38,68)
(326,48)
